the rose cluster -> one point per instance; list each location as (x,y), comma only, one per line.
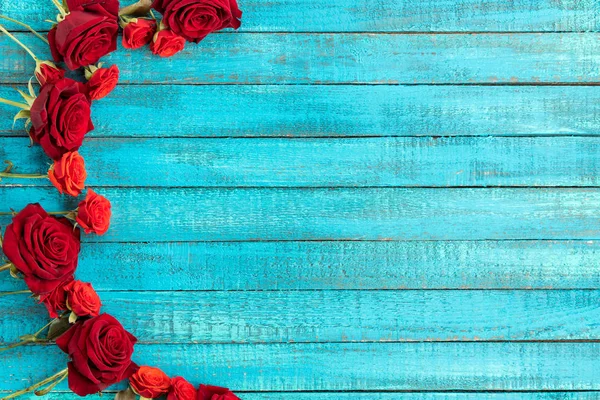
(152,383)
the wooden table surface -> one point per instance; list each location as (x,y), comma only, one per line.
(349,199)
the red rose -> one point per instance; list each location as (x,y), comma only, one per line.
(150,382)
(43,248)
(102,81)
(56,300)
(47,72)
(60,117)
(207,392)
(93,214)
(68,174)
(167,43)
(138,32)
(88,32)
(181,390)
(100,351)
(194,19)
(82,299)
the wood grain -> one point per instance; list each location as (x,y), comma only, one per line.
(385,16)
(260,58)
(142,214)
(363,367)
(335,316)
(501,264)
(373,162)
(300,111)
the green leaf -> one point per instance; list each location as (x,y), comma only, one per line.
(126,394)
(58,327)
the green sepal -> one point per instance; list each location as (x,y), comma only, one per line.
(29,99)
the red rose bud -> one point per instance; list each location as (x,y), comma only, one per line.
(45,249)
(195,19)
(82,299)
(101,81)
(48,72)
(68,174)
(137,32)
(56,300)
(166,43)
(150,383)
(93,213)
(207,392)
(87,33)
(181,390)
(61,117)
(100,351)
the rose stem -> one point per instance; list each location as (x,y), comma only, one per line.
(49,388)
(7,33)
(24,25)
(17,292)
(22,176)
(30,338)
(31,388)
(15,104)
(5,266)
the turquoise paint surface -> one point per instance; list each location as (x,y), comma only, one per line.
(348,199)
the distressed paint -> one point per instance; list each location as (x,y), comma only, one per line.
(260,58)
(381,162)
(386,15)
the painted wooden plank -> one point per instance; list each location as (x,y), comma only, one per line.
(335,316)
(299,111)
(364,367)
(350,58)
(338,265)
(380,162)
(588,395)
(385,16)
(142,214)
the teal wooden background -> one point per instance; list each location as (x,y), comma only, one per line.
(350,199)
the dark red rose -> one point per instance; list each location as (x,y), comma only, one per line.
(150,382)
(56,300)
(82,299)
(138,32)
(207,392)
(181,390)
(194,19)
(102,81)
(47,72)
(88,32)
(167,43)
(93,213)
(68,174)
(45,249)
(100,351)
(60,117)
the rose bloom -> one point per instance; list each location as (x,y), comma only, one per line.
(45,249)
(93,213)
(150,382)
(166,43)
(68,174)
(56,300)
(102,82)
(87,33)
(138,32)
(194,19)
(100,351)
(207,392)
(47,72)
(181,390)
(60,117)
(82,299)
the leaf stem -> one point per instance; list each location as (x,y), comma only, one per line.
(22,176)
(7,33)
(6,266)
(14,103)
(24,25)
(61,375)
(16,292)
